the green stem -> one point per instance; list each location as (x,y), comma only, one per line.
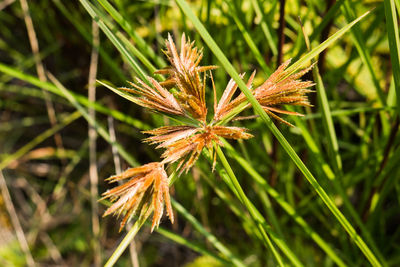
(282,140)
(125,242)
(243,198)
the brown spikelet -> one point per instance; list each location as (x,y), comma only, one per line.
(226,104)
(184,144)
(147,184)
(283,89)
(184,74)
(155,98)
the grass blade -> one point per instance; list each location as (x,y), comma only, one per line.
(282,140)
(394,44)
(95,14)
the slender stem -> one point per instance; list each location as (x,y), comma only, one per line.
(243,198)
(280,31)
(93,173)
(275,131)
(15,222)
(125,242)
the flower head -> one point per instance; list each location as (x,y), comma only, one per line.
(155,98)
(226,104)
(147,186)
(183,144)
(184,74)
(283,89)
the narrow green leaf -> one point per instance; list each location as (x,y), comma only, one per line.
(394,44)
(95,14)
(282,140)
(80,98)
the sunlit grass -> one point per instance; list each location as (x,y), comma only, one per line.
(322,193)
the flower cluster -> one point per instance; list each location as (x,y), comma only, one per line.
(147,187)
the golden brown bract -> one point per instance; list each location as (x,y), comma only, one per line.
(283,89)
(184,74)
(147,186)
(184,144)
(157,98)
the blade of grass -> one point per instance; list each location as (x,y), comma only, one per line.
(264,27)
(282,140)
(132,33)
(326,114)
(359,42)
(15,221)
(394,44)
(39,67)
(99,128)
(95,14)
(243,198)
(195,247)
(285,205)
(210,237)
(249,40)
(257,218)
(128,44)
(80,98)
(93,173)
(318,49)
(321,26)
(249,224)
(79,25)
(326,169)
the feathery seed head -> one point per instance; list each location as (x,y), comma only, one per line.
(147,186)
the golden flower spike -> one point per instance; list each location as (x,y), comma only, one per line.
(282,89)
(184,144)
(226,104)
(155,98)
(184,74)
(148,186)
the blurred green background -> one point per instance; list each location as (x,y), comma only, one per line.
(349,138)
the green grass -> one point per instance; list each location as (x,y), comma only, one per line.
(323,193)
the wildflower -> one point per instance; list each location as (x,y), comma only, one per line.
(281,89)
(147,186)
(157,98)
(184,74)
(185,143)
(226,104)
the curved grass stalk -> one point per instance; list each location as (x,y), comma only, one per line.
(236,207)
(210,237)
(243,198)
(139,223)
(326,169)
(282,140)
(132,33)
(285,205)
(394,42)
(114,39)
(192,245)
(80,99)
(125,242)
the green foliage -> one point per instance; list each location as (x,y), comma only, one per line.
(257,208)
